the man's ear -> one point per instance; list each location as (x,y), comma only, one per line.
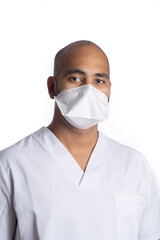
(51,86)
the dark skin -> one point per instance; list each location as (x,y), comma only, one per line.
(81,65)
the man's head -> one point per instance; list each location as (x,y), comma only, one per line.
(77,64)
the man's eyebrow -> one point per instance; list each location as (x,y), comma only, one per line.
(75,70)
(104,75)
(79,71)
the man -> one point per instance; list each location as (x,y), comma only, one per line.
(69,181)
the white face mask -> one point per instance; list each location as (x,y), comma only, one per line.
(83,106)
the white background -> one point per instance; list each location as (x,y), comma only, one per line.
(32,31)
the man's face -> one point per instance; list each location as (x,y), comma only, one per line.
(84,65)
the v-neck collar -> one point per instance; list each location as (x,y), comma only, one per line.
(89,179)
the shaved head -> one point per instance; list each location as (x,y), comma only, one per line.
(60,56)
(81,62)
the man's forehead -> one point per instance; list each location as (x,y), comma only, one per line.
(83,54)
(79,54)
(90,48)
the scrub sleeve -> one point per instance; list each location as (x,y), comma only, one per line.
(7,215)
(150,223)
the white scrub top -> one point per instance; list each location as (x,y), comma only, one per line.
(45,195)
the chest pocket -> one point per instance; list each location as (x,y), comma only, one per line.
(129,210)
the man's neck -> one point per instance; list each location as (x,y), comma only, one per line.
(79,142)
(75,139)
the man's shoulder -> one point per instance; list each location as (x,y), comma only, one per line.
(19,148)
(131,164)
(121,150)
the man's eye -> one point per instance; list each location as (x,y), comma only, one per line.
(75,79)
(100,81)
